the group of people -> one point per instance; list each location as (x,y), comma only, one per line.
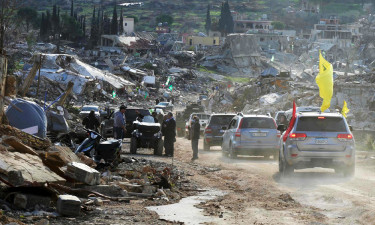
(168,127)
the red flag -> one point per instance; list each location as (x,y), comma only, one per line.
(292,121)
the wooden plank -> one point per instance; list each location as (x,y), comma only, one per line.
(30,77)
(67,93)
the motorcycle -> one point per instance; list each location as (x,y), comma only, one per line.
(97,148)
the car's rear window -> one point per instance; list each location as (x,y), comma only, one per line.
(256,122)
(221,120)
(130,114)
(323,124)
(202,116)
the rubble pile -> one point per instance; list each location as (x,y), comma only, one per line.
(40,179)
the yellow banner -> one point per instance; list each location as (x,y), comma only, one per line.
(325,82)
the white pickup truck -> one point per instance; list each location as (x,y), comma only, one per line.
(203,120)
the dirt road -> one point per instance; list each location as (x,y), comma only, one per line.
(257,194)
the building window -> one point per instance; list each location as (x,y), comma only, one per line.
(214,42)
(261,39)
(191,41)
(126,24)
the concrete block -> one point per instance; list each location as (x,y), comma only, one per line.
(68,205)
(83,173)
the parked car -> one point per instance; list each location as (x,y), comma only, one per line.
(213,133)
(146,134)
(254,135)
(86,109)
(166,106)
(318,140)
(203,119)
(106,127)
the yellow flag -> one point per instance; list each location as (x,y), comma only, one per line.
(325,82)
(345,109)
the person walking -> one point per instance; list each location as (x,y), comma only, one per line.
(91,122)
(169,132)
(119,123)
(195,128)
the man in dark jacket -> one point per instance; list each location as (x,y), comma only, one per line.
(91,122)
(195,128)
(169,132)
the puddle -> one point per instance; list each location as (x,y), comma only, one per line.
(185,210)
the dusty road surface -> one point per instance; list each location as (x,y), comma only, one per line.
(257,194)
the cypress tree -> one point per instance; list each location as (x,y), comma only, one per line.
(114,23)
(94,31)
(42,30)
(55,20)
(84,27)
(121,24)
(48,23)
(72,9)
(106,28)
(226,24)
(208,20)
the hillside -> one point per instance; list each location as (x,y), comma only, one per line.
(189,15)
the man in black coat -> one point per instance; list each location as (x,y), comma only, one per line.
(195,128)
(169,132)
(91,122)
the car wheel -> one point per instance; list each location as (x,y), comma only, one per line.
(232,155)
(349,171)
(206,147)
(133,145)
(158,149)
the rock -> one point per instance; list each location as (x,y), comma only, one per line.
(68,205)
(83,173)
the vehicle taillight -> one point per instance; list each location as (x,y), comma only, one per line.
(344,137)
(238,133)
(208,130)
(278,134)
(321,117)
(297,136)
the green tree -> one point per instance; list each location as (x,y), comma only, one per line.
(164,18)
(134,17)
(94,33)
(226,24)
(208,20)
(28,16)
(70,28)
(114,22)
(72,9)
(278,25)
(121,24)
(43,27)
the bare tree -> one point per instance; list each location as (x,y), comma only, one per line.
(8,10)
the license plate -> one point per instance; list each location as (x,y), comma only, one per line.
(321,141)
(259,134)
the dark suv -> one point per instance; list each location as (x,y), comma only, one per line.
(216,126)
(106,127)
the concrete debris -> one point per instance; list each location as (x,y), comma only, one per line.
(83,173)
(68,205)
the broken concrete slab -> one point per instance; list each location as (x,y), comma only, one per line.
(30,166)
(83,173)
(68,205)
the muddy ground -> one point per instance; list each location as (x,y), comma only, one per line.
(255,193)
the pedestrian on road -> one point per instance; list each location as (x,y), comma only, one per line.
(119,124)
(91,122)
(169,132)
(195,128)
